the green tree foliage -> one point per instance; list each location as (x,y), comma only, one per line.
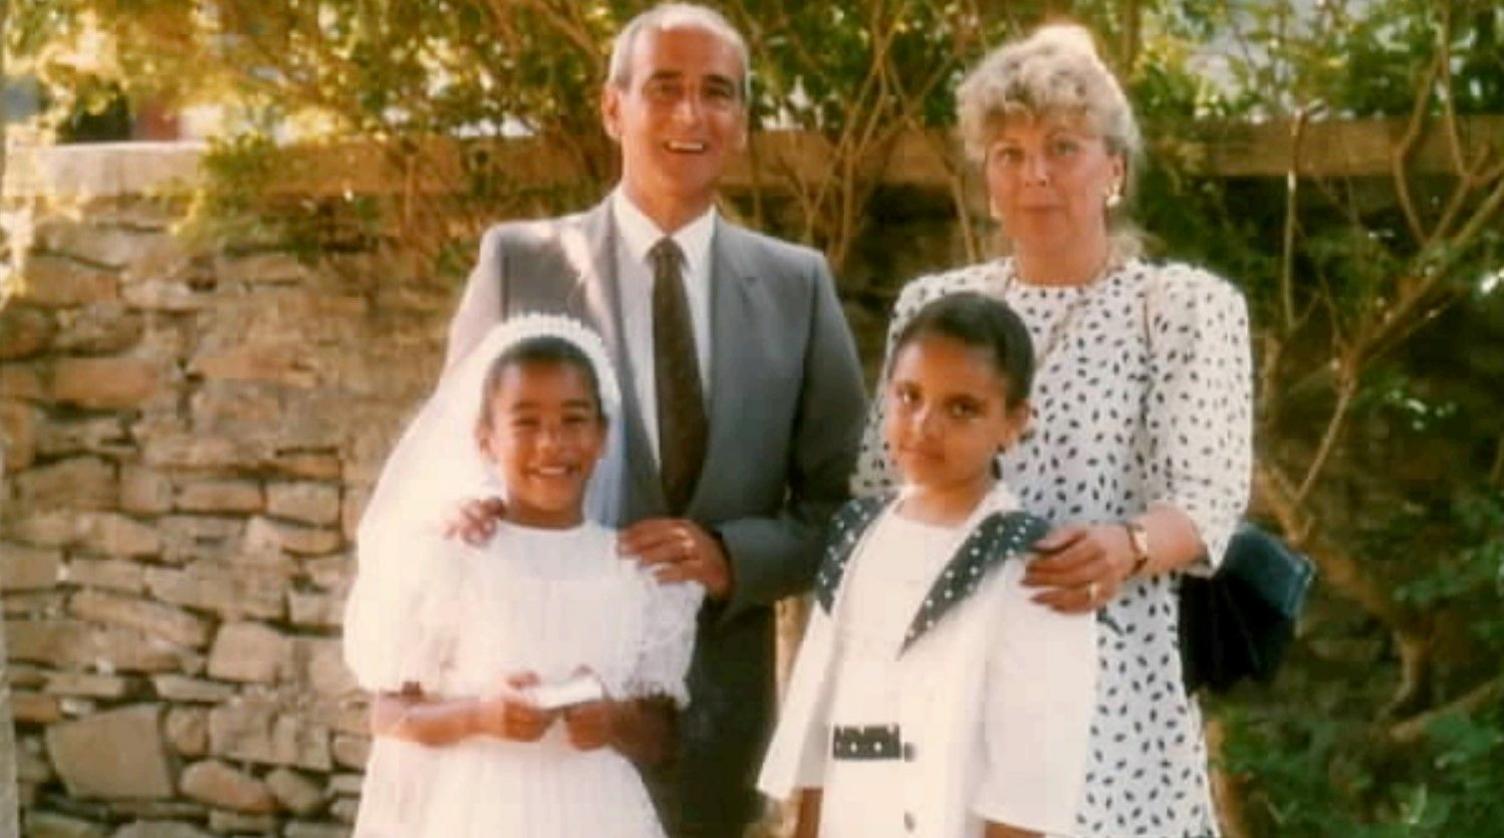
(1380,347)
(1377,299)
(403,74)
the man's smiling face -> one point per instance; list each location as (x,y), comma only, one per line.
(679,118)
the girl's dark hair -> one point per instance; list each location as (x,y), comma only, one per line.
(981,322)
(544,349)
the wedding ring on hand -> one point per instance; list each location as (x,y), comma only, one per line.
(1091,591)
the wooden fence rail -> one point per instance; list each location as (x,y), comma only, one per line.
(1353,148)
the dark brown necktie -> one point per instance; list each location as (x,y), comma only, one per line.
(682,426)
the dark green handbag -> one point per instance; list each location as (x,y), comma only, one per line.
(1237,623)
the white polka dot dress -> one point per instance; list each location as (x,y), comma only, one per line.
(1144,398)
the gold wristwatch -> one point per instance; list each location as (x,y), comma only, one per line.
(1138,542)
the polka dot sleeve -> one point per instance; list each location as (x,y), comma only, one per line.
(1199,403)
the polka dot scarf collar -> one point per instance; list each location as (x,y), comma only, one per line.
(998,536)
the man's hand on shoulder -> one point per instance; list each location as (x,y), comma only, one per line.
(475,521)
(679,550)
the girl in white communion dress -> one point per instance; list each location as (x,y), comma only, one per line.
(515,683)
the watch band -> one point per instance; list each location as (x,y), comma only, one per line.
(1138,542)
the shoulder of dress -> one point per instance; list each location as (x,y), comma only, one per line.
(1182,278)
(1183,293)
(922,289)
(447,563)
(597,535)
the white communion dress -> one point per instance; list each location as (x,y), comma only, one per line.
(545,601)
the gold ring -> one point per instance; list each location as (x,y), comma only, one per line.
(1091,591)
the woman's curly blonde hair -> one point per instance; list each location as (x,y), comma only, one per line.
(1055,70)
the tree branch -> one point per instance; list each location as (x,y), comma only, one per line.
(1340,571)
(567,23)
(1400,154)
(1412,730)
(1343,574)
(1347,387)
(1496,474)
(1292,195)
(1448,107)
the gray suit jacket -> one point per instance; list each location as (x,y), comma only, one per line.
(785,409)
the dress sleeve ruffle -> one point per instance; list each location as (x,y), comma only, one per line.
(668,642)
(401,619)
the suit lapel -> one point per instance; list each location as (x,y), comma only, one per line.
(1001,535)
(732,317)
(847,527)
(590,246)
(998,536)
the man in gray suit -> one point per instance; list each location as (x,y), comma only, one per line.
(743,395)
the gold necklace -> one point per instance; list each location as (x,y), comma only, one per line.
(1085,294)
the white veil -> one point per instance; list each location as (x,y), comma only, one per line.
(436,467)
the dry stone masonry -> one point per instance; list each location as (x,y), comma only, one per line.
(189,432)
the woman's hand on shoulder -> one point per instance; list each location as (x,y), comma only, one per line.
(1080,566)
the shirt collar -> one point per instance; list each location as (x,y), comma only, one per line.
(999,498)
(639,233)
(850,524)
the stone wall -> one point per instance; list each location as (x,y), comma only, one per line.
(190,433)
(189,436)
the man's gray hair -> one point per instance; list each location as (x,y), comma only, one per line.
(674,16)
(1054,70)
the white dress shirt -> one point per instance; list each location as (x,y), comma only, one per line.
(636,235)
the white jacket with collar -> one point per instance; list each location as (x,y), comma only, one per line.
(997,691)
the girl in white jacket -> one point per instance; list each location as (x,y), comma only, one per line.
(932,696)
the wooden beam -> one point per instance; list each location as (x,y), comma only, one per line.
(1349,148)
(1354,148)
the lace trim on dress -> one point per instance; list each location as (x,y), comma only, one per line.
(668,641)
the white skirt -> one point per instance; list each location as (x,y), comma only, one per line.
(492,787)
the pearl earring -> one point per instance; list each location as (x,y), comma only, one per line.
(1114,196)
